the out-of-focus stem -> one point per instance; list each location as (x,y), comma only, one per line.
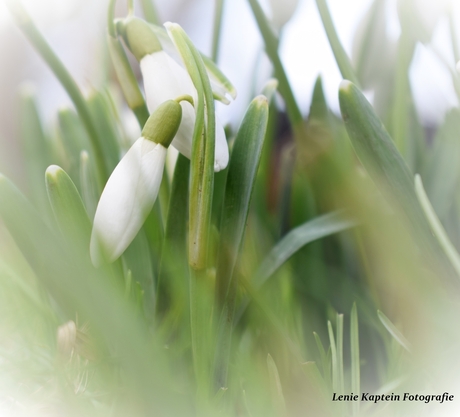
(218,13)
(339,52)
(150,12)
(436,225)
(41,45)
(271,46)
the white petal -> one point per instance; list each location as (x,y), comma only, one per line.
(221,152)
(165,79)
(127,199)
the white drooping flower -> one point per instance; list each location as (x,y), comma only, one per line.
(282,11)
(165,79)
(132,189)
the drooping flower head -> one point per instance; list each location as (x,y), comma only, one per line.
(132,189)
(164,79)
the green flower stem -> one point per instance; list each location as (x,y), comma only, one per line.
(339,52)
(271,46)
(150,12)
(355,361)
(218,13)
(203,150)
(131,7)
(436,225)
(125,74)
(38,41)
(200,211)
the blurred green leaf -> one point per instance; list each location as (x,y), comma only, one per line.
(442,173)
(317,228)
(241,176)
(340,55)
(355,358)
(69,211)
(276,389)
(393,330)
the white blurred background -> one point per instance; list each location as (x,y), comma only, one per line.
(76,28)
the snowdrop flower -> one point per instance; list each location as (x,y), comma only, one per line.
(132,189)
(282,11)
(165,79)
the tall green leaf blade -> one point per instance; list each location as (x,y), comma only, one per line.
(385,165)
(355,359)
(315,229)
(393,330)
(276,389)
(68,208)
(241,177)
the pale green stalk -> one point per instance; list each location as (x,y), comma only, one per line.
(125,74)
(436,225)
(150,12)
(203,150)
(355,361)
(218,13)
(340,54)
(38,41)
(271,46)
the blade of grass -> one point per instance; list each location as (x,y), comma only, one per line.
(392,329)
(203,149)
(355,361)
(175,239)
(385,165)
(36,148)
(150,12)
(276,389)
(125,73)
(340,352)
(341,56)
(271,46)
(68,208)
(436,226)
(335,369)
(241,176)
(310,231)
(38,41)
(218,13)
(325,363)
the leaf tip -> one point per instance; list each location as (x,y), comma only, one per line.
(345,87)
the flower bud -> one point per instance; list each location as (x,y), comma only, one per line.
(132,189)
(163,124)
(139,37)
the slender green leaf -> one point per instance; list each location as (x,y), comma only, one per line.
(355,358)
(335,368)
(68,208)
(436,226)
(38,41)
(312,230)
(393,330)
(241,176)
(36,148)
(341,56)
(271,46)
(150,12)
(218,13)
(340,352)
(379,156)
(275,388)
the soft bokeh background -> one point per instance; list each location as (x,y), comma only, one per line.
(304,49)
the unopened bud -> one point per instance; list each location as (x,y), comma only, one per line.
(139,37)
(162,125)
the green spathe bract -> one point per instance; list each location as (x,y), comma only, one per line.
(163,124)
(140,38)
